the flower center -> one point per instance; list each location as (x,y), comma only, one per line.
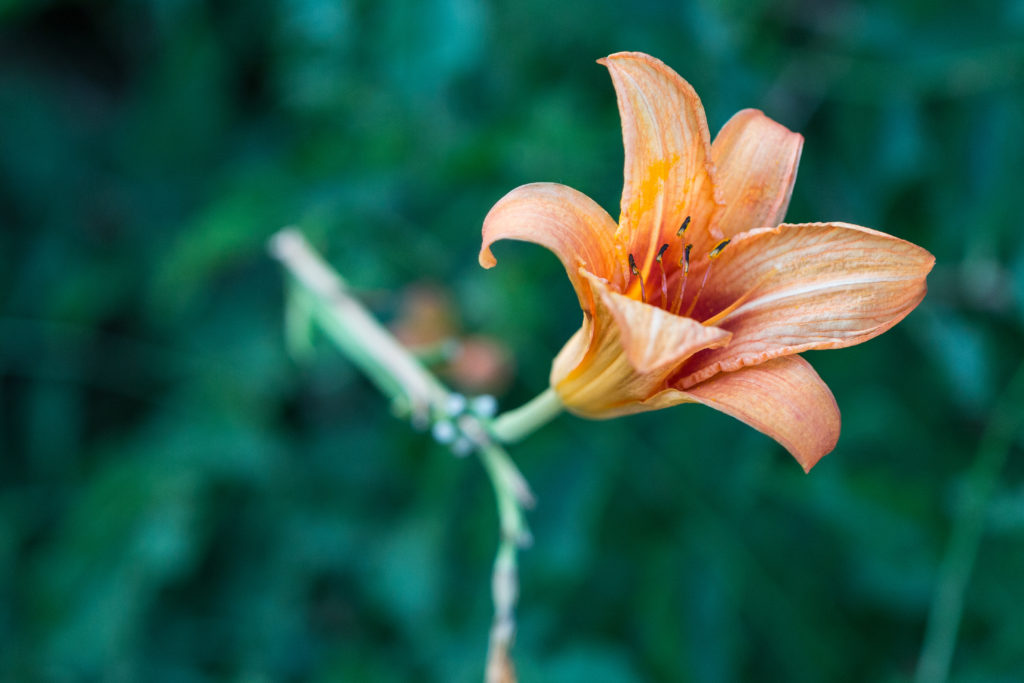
(654,283)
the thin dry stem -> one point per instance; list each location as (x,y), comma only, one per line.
(398,374)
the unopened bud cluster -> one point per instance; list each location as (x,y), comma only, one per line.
(450,429)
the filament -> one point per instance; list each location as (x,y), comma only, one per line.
(664,280)
(684,262)
(712,255)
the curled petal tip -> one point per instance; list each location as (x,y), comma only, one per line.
(486,258)
(560,218)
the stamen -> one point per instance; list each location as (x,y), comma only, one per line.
(712,255)
(636,271)
(684,262)
(683,227)
(664,280)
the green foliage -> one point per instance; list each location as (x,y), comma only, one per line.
(179,501)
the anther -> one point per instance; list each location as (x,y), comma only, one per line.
(636,271)
(683,227)
(664,280)
(718,249)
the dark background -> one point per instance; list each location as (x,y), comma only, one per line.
(180,501)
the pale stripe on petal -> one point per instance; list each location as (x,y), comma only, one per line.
(811,286)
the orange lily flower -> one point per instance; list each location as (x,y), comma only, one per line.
(699,294)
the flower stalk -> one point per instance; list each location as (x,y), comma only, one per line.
(318,297)
(515,425)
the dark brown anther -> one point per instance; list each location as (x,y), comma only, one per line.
(683,227)
(636,271)
(718,249)
(685,261)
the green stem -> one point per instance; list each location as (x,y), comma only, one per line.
(511,491)
(512,494)
(520,422)
(320,296)
(955,573)
(364,340)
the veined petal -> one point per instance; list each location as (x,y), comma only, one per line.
(755,163)
(623,354)
(668,171)
(810,286)
(783,398)
(566,221)
(653,338)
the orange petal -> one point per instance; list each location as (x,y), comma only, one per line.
(668,172)
(566,221)
(783,398)
(653,338)
(811,286)
(755,164)
(624,353)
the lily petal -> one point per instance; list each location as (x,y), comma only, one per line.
(783,398)
(755,162)
(566,221)
(668,170)
(624,353)
(652,337)
(809,286)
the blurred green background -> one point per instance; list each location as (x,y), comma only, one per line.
(179,501)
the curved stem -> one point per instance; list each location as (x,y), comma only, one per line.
(505,576)
(520,422)
(357,333)
(320,297)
